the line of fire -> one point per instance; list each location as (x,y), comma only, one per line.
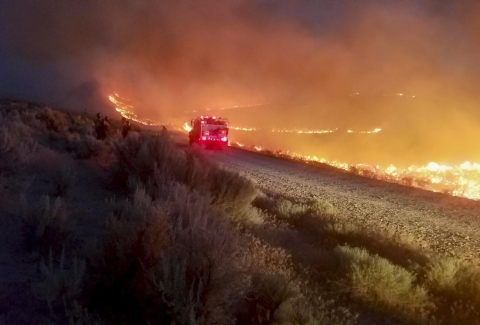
(457,180)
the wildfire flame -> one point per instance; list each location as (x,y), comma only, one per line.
(457,180)
(242,128)
(187,127)
(298,131)
(301,131)
(366,132)
(126,110)
(304,131)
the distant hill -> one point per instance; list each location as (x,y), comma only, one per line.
(86,97)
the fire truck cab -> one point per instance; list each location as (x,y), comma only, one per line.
(209,131)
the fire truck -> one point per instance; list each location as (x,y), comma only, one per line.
(209,131)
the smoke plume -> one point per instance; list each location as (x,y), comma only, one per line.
(324,64)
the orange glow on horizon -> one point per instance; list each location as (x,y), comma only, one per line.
(457,180)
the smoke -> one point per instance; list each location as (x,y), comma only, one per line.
(303,58)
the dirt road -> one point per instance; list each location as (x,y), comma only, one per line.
(438,222)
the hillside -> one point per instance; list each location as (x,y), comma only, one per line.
(141,230)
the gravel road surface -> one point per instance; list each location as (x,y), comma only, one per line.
(438,222)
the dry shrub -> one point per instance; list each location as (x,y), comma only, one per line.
(455,285)
(155,160)
(246,216)
(399,248)
(320,207)
(29,118)
(312,309)
(170,261)
(272,289)
(142,155)
(277,295)
(53,120)
(198,280)
(61,284)
(15,150)
(61,287)
(265,202)
(228,191)
(287,209)
(64,180)
(46,226)
(82,126)
(268,300)
(260,257)
(85,147)
(383,285)
(135,237)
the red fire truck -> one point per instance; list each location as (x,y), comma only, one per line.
(210,131)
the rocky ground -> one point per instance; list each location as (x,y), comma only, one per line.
(434,221)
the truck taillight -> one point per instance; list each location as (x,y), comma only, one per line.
(204,138)
(224,139)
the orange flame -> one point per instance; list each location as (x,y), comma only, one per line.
(302,131)
(126,111)
(248,129)
(187,127)
(457,180)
